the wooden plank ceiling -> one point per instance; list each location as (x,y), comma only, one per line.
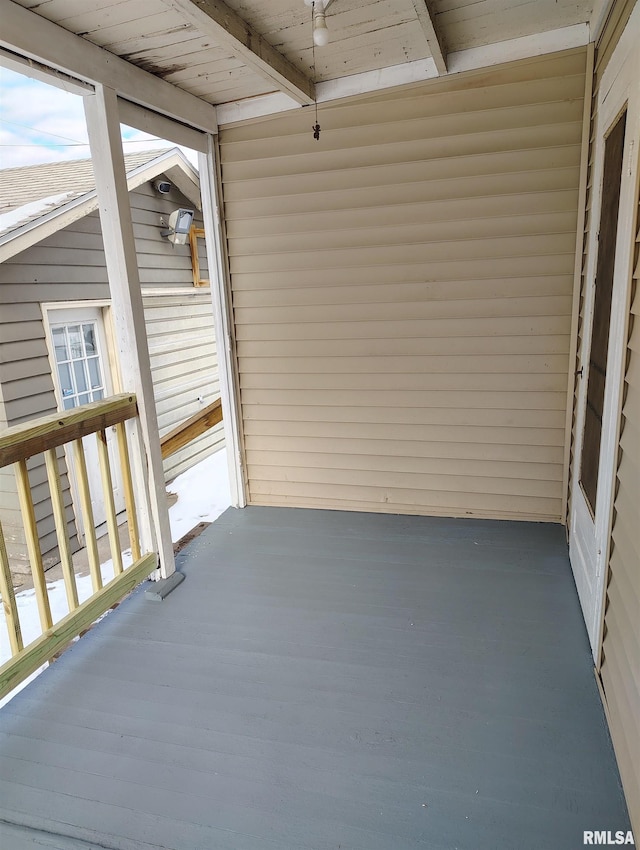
(228,51)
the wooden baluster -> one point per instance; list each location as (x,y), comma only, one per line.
(9,600)
(129,497)
(33,544)
(60,518)
(109,504)
(87,514)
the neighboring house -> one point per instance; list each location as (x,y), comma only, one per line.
(56,341)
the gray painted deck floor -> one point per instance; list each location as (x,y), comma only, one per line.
(324,680)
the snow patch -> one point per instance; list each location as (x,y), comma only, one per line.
(33,210)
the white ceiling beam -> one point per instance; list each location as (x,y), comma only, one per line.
(233,32)
(434,38)
(26,33)
(38,71)
(151,122)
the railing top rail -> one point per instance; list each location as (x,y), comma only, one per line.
(191,428)
(48,432)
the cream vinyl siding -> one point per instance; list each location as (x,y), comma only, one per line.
(620,669)
(402,294)
(184,368)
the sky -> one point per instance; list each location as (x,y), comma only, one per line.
(43,123)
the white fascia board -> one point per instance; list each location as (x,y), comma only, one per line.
(368,81)
(24,237)
(383,78)
(29,234)
(260,106)
(473,59)
(28,34)
(526,47)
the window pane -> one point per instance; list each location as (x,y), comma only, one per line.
(75,341)
(89,339)
(98,395)
(66,384)
(84,399)
(60,344)
(69,403)
(81,378)
(94,372)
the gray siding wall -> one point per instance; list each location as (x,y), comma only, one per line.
(185,370)
(68,266)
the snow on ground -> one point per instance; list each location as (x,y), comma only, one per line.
(203,494)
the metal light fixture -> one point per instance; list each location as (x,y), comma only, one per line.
(180,222)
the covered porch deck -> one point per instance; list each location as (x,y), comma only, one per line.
(324,680)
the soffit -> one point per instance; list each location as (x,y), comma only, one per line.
(165,38)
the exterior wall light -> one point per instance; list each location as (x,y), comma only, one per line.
(180,222)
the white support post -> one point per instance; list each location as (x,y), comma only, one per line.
(215,239)
(103,124)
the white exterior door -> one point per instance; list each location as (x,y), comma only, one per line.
(606,309)
(79,348)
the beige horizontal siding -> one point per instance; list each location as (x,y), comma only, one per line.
(620,670)
(402,294)
(184,367)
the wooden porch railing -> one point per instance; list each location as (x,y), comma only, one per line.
(191,428)
(45,436)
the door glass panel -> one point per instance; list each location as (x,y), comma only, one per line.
(89,339)
(60,344)
(75,341)
(596,377)
(66,384)
(80,376)
(80,372)
(94,372)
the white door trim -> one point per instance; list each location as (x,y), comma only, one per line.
(619,89)
(629,78)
